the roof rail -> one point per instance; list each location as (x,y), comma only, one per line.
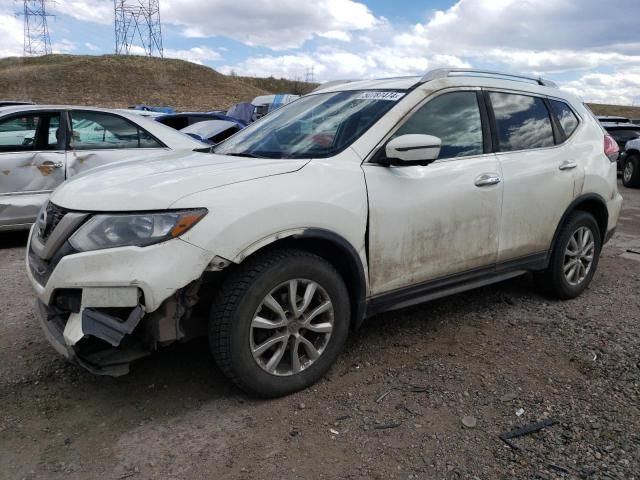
(447,72)
(332,83)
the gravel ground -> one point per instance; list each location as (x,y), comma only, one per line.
(419,393)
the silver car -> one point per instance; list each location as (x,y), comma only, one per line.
(41,146)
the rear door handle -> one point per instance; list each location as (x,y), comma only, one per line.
(58,165)
(567,165)
(487,179)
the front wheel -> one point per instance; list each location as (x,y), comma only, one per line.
(574,258)
(631,172)
(279,322)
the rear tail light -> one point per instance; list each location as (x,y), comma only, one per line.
(611,148)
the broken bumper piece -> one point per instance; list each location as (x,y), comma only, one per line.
(94,340)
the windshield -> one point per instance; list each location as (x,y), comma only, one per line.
(315,126)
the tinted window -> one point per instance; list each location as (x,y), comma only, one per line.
(565,116)
(36,131)
(622,136)
(522,121)
(452,117)
(99,131)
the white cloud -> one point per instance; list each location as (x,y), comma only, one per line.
(277,25)
(336,35)
(11,34)
(91,46)
(95,11)
(622,88)
(63,46)
(197,55)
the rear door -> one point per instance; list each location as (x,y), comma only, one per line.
(32,161)
(99,138)
(541,170)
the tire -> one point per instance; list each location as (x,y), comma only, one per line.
(248,292)
(631,172)
(553,280)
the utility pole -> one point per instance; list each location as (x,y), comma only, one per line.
(137,24)
(36,30)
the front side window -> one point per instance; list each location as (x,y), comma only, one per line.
(315,126)
(454,118)
(522,122)
(30,132)
(102,131)
(565,116)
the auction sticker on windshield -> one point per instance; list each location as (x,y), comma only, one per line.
(391,96)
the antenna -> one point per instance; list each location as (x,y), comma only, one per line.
(137,24)
(36,31)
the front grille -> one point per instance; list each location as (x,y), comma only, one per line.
(53,215)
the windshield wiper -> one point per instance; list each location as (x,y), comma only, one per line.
(243,154)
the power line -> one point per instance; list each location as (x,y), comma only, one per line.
(36,30)
(137,24)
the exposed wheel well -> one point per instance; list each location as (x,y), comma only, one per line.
(593,204)
(340,254)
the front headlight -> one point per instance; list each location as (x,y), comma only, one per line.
(141,229)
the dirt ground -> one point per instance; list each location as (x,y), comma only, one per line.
(392,407)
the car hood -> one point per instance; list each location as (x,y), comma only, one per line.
(155,184)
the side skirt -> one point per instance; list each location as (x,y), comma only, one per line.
(452,284)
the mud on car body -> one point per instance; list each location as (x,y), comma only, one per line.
(358,198)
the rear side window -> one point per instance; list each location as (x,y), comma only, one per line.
(455,119)
(565,116)
(103,131)
(30,132)
(522,122)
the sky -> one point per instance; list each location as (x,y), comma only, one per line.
(589,47)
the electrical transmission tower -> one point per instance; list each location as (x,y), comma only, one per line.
(36,30)
(137,24)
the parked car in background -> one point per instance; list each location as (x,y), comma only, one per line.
(212,131)
(356,199)
(267,103)
(630,162)
(622,132)
(181,120)
(41,146)
(612,119)
(13,103)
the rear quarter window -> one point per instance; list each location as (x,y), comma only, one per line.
(522,122)
(565,116)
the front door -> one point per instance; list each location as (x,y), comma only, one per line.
(429,222)
(32,164)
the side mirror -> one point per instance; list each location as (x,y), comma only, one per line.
(413,149)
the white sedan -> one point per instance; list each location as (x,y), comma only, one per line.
(43,145)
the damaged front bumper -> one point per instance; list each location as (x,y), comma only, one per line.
(103,309)
(109,355)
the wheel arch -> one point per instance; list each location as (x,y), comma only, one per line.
(332,247)
(591,203)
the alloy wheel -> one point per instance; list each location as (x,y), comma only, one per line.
(578,256)
(291,327)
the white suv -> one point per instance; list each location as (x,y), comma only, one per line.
(358,198)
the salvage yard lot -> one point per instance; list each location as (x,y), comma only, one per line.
(390,408)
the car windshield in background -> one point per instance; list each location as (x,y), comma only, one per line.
(316,126)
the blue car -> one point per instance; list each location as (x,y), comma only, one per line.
(184,119)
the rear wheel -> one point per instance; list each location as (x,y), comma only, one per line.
(574,258)
(279,322)
(631,172)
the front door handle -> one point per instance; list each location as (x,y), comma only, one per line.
(58,165)
(487,179)
(567,165)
